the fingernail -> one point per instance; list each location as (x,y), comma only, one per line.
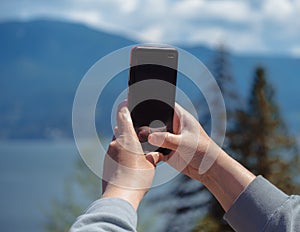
(153,139)
(125,114)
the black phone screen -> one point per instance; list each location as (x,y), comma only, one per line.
(152,90)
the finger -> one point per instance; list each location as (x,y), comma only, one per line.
(178,118)
(154,157)
(165,140)
(143,133)
(122,104)
(115,130)
(125,126)
(104,184)
(178,107)
(116,133)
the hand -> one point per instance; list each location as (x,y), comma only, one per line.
(193,151)
(128,173)
(196,155)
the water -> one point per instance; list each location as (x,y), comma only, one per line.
(32,174)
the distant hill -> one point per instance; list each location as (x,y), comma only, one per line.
(42,63)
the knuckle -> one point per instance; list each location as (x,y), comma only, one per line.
(113,147)
(168,138)
(112,144)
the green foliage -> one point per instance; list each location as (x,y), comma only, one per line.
(213,221)
(63,212)
(80,191)
(208,224)
(261,138)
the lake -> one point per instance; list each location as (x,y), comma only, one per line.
(32,173)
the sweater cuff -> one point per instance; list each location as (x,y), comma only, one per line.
(112,205)
(255,205)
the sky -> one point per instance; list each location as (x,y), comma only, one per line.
(245,26)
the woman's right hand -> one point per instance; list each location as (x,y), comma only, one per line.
(193,151)
(196,155)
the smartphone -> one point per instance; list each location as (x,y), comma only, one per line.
(152,91)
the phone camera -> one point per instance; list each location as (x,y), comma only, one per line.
(171,56)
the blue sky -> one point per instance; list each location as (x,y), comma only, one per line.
(245,26)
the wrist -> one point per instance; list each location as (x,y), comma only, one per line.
(133,196)
(210,176)
(227,179)
(203,163)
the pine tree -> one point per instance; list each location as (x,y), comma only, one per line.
(262,140)
(259,139)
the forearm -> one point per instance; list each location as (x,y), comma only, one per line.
(226,179)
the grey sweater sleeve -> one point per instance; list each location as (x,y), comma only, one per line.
(107,214)
(263,207)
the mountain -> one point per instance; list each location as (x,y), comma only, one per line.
(43,61)
(41,65)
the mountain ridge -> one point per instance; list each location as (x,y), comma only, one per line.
(43,61)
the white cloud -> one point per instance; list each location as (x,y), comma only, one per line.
(188,8)
(277,9)
(295,51)
(216,35)
(130,6)
(155,33)
(228,10)
(92,18)
(269,26)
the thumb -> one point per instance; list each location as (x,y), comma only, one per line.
(154,157)
(165,140)
(125,126)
